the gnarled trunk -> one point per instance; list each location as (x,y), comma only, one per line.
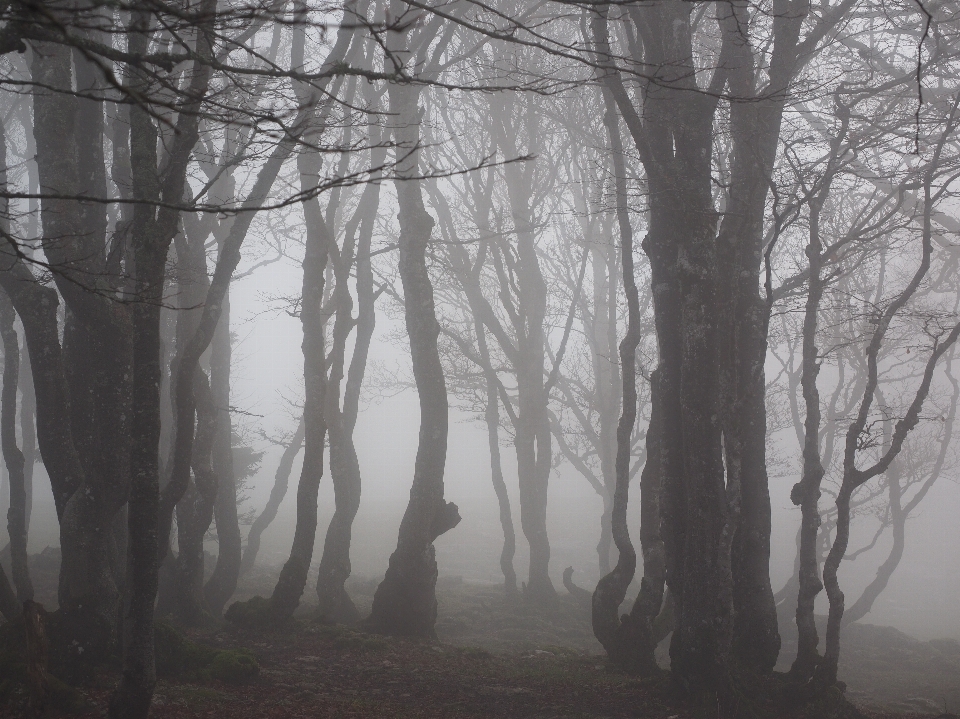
(405,601)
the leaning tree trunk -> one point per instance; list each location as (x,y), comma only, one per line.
(277,493)
(406,600)
(293,576)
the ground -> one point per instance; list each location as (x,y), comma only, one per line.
(496,659)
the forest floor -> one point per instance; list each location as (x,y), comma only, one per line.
(497,659)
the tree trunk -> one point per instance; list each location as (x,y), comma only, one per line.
(153,230)
(492,416)
(335,603)
(223,582)
(532,437)
(293,576)
(628,640)
(195,510)
(277,493)
(405,601)
(13,457)
(28,431)
(807,492)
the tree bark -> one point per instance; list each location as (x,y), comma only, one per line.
(223,582)
(405,601)
(335,603)
(532,437)
(277,493)
(13,457)
(807,492)
(153,229)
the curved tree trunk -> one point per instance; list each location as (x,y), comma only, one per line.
(277,493)
(807,492)
(532,436)
(628,641)
(405,601)
(335,603)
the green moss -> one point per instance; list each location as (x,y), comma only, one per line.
(179,657)
(347,640)
(255,613)
(234,666)
(67,699)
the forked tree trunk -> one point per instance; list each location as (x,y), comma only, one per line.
(405,601)
(853,476)
(335,568)
(532,436)
(629,640)
(153,232)
(806,493)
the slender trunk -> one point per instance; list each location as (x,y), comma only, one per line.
(12,456)
(532,438)
(28,431)
(405,601)
(277,493)
(293,576)
(153,230)
(492,416)
(223,582)
(14,460)
(195,510)
(627,641)
(807,492)
(853,476)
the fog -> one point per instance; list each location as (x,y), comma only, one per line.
(921,598)
(434,358)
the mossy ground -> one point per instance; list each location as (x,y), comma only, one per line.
(496,659)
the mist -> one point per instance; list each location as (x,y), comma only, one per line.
(387,358)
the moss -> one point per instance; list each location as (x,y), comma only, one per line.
(177,656)
(234,666)
(13,670)
(255,613)
(67,699)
